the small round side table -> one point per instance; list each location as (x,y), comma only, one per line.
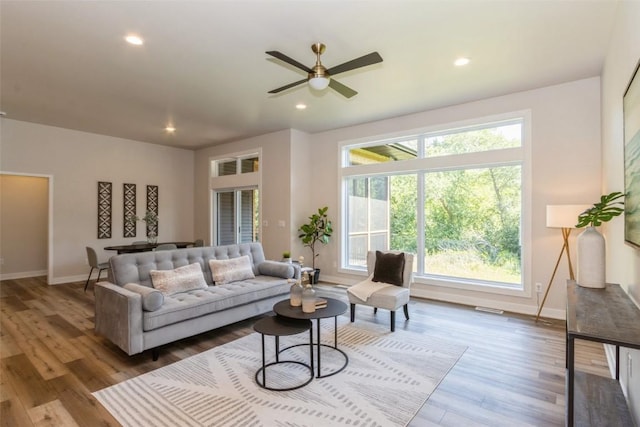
(278,326)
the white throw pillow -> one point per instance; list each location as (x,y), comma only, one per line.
(181,279)
(231,270)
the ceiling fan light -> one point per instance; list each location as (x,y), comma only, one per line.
(319,82)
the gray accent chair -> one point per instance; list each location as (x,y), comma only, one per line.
(389,297)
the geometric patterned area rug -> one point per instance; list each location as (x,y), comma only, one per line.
(387,380)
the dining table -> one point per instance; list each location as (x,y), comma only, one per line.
(143,247)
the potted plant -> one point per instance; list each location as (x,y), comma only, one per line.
(286,256)
(317,230)
(150,218)
(591,244)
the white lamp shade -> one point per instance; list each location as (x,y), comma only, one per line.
(564,216)
(319,83)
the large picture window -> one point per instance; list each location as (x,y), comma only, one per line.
(452,197)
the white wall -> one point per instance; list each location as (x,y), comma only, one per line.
(77,161)
(623,261)
(275,168)
(566,169)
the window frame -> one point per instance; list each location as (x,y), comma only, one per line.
(237,182)
(484,159)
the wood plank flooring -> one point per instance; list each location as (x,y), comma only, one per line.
(51,360)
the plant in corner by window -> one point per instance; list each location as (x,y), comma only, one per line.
(602,211)
(317,230)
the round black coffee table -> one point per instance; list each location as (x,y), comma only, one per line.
(333,309)
(278,326)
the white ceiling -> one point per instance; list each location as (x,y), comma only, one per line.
(203,66)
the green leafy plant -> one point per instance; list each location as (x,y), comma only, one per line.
(602,211)
(317,230)
(151,218)
(286,254)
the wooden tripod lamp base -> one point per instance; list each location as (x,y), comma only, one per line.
(564,217)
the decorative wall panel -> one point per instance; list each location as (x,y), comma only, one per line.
(104,209)
(152,206)
(129,209)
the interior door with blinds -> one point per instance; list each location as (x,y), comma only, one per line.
(236,216)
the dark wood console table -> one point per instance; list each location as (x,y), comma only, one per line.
(607,316)
(143,247)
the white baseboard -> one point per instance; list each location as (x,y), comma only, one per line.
(22,275)
(70,279)
(428,292)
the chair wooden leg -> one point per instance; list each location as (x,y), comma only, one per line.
(393,320)
(353,313)
(406,311)
(155,353)
(88,278)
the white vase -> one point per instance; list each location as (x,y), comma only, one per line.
(591,259)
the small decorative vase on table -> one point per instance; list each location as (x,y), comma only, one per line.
(308,299)
(295,298)
(591,244)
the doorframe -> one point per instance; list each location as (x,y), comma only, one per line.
(49,217)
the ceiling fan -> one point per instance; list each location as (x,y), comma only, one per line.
(319,77)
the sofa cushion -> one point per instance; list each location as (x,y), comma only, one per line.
(231,270)
(389,268)
(135,267)
(277,269)
(181,279)
(202,302)
(152,299)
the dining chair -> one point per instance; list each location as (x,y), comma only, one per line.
(166,247)
(140,242)
(92,258)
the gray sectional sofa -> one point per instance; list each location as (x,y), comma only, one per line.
(137,316)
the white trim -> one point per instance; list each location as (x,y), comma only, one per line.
(22,275)
(72,279)
(238,181)
(520,156)
(49,270)
(428,292)
(610,353)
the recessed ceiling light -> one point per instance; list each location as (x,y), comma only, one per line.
(461,62)
(133,39)
(301,106)
(170,129)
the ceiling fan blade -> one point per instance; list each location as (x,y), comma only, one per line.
(363,61)
(290,85)
(285,58)
(343,90)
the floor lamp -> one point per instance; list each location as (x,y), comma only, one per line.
(564,217)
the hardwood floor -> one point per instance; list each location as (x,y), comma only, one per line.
(512,373)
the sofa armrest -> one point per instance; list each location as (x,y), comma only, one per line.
(119,316)
(284,270)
